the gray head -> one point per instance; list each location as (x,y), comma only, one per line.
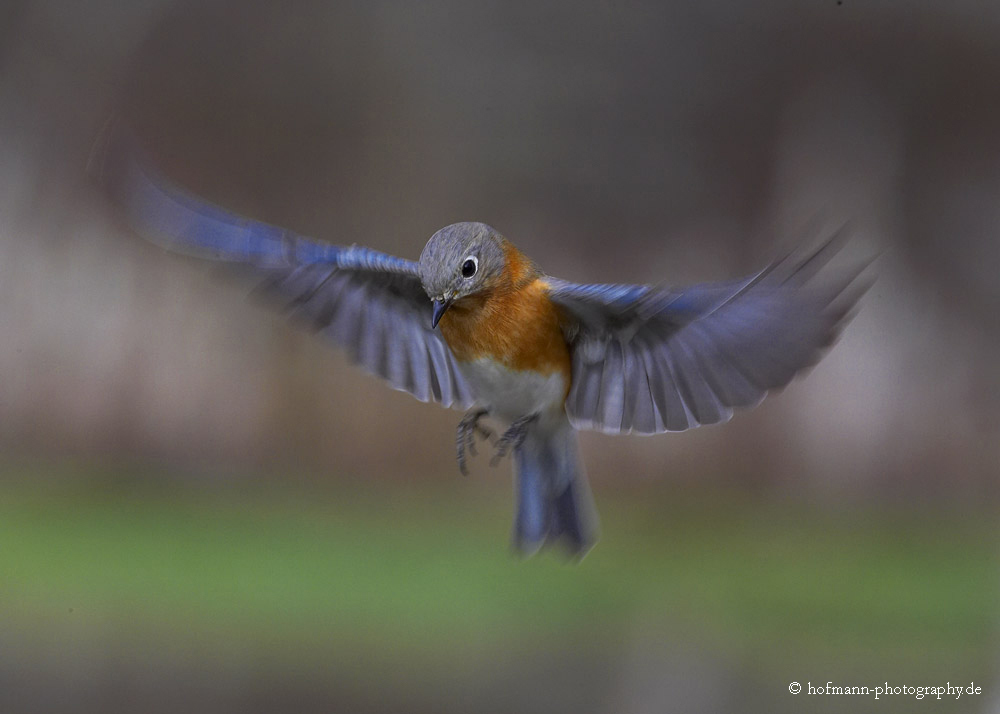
(460,260)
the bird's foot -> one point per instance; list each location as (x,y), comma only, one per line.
(513,437)
(465,436)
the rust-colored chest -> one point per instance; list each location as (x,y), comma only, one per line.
(518,327)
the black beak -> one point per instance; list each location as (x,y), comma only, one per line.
(440,307)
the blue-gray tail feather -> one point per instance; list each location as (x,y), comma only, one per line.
(554,504)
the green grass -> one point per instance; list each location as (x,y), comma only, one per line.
(412,572)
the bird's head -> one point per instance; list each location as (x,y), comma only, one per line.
(460,260)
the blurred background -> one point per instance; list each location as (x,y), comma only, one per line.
(203,508)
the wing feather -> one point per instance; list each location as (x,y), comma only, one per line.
(653,359)
(370,303)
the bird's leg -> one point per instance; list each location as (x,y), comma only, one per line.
(465,436)
(513,437)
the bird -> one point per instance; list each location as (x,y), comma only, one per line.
(475,324)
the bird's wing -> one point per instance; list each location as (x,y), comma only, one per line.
(369,302)
(653,359)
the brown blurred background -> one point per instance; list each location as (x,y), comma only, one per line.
(652,142)
(611,141)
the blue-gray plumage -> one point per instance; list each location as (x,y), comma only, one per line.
(648,360)
(544,355)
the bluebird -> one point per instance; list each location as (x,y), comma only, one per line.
(476,324)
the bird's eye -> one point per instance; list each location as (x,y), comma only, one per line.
(470,266)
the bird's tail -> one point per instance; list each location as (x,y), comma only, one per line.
(553,499)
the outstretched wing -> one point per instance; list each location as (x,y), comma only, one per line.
(650,359)
(369,302)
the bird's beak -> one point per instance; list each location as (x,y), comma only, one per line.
(440,307)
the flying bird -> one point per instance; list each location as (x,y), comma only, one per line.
(475,324)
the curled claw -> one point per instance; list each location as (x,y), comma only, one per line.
(513,437)
(465,436)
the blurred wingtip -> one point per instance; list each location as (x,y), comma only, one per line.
(844,302)
(795,266)
(97,159)
(114,156)
(114,148)
(802,265)
(840,286)
(149,203)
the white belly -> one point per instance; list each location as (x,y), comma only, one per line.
(509,394)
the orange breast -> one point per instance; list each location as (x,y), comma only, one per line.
(515,324)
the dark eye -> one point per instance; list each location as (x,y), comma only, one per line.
(470,266)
